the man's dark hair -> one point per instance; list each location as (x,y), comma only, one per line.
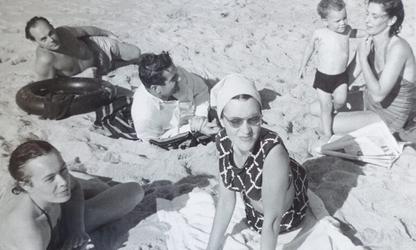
(151,68)
(24,153)
(325,5)
(32,23)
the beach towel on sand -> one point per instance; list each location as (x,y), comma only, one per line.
(116,119)
(190,218)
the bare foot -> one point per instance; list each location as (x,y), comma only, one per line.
(315,147)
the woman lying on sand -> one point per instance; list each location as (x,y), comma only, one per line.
(48,210)
(254,162)
(389,69)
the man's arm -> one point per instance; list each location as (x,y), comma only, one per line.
(44,65)
(83,31)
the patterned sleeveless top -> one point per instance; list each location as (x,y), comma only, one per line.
(248,179)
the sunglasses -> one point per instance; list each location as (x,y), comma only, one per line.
(236,122)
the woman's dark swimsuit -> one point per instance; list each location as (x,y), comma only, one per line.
(397,107)
(248,180)
(56,232)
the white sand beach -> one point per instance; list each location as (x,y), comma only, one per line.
(354,206)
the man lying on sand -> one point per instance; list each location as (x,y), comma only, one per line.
(50,209)
(170,101)
(76,51)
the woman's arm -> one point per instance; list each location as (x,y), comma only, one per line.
(28,236)
(223,213)
(274,192)
(353,69)
(73,216)
(394,64)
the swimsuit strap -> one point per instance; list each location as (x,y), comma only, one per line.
(45,213)
(290,179)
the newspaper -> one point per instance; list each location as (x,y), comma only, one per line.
(372,144)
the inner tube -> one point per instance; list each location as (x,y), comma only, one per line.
(60,98)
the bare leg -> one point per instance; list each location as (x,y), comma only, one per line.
(326,107)
(346,122)
(127,52)
(112,204)
(340,96)
(92,187)
(315,108)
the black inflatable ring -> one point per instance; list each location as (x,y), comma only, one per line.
(59,98)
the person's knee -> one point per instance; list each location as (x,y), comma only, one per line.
(340,95)
(135,192)
(326,106)
(340,100)
(128,51)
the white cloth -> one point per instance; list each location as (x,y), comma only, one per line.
(230,86)
(190,217)
(155,118)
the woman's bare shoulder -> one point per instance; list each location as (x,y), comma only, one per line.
(399,45)
(20,228)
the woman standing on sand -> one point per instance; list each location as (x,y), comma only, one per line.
(48,210)
(254,162)
(389,69)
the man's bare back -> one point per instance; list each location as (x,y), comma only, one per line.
(72,57)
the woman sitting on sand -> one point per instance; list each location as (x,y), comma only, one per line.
(48,210)
(254,162)
(389,69)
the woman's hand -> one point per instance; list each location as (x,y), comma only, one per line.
(78,240)
(365,47)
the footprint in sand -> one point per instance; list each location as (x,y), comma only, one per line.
(18,60)
(112,158)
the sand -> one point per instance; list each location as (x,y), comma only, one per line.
(364,205)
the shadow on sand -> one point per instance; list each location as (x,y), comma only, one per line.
(332,179)
(112,236)
(267,96)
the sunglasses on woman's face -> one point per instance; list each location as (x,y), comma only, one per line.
(236,122)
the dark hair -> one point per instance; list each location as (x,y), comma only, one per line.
(151,68)
(325,5)
(392,8)
(32,23)
(21,155)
